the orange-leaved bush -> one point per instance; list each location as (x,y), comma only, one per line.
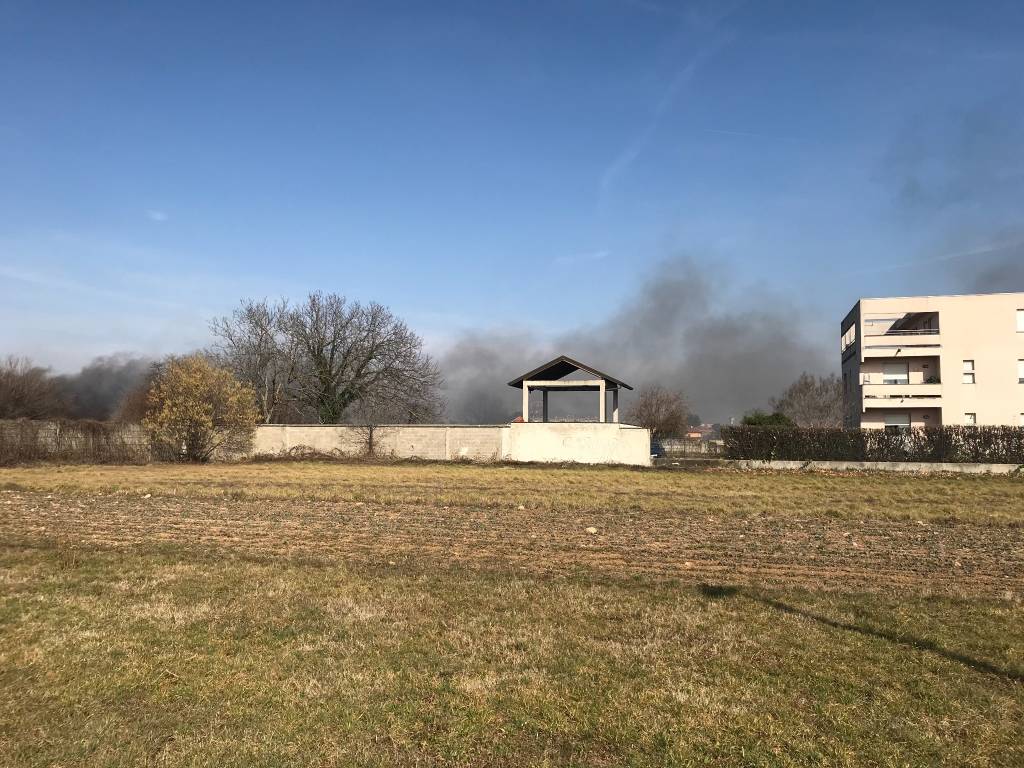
(195,409)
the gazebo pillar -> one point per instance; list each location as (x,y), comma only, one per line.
(526,402)
(601,411)
(615,405)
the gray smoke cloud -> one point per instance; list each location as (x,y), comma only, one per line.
(960,175)
(999,272)
(477,370)
(98,388)
(729,351)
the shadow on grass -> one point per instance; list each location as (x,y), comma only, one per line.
(719,591)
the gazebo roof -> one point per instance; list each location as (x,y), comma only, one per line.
(561,367)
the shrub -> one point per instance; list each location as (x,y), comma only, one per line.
(195,409)
(762,419)
(998,445)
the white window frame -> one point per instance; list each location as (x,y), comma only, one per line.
(1020,371)
(968,376)
(1020,321)
(898,420)
(903,377)
(971,419)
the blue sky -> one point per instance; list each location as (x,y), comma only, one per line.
(515,166)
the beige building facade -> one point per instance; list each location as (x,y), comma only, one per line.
(919,361)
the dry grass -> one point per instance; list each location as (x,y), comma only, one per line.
(292,614)
(841,495)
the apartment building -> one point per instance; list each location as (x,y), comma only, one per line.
(919,361)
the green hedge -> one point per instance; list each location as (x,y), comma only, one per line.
(995,445)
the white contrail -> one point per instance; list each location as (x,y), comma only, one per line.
(981,251)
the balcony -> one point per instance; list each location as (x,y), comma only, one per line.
(921,342)
(902,396)
(911,334)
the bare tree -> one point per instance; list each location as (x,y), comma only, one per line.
(329,360)
(660,410)
(813,401)
(352,353)
(28,391)
(134,404)
(254,345)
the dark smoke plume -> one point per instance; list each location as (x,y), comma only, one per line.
(682,330)
(1003,271)
(99,387)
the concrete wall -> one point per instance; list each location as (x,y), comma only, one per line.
(593,443)
(676,446)
(433,441)
(278,439)
(26,440)
(586,443)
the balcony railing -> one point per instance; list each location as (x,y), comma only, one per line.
(911,332)
(879,394)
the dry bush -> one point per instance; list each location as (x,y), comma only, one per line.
(196,409)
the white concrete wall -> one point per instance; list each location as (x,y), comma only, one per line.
(586,443)
(476,443)
(278,439)
(431,441)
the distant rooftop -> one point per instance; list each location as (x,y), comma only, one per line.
(942,296)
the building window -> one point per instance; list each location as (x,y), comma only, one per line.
(897,422)
(1020,321)
(1020,371)
(1022,419)
(970,419)
(968,372)
(895,373)
(849,338)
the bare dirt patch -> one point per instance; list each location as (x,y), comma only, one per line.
(947,557)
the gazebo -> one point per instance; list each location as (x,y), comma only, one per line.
(551,377)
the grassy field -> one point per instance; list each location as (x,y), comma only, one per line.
(850,495)
(353,614)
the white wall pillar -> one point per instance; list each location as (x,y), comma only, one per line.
(601,410)
(615,405)
(526,402)
(544,394)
